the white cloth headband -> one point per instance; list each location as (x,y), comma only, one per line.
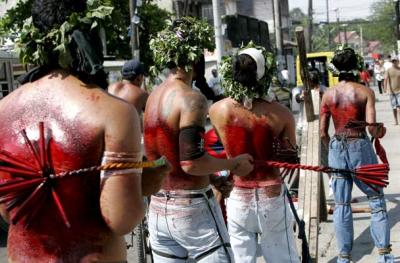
(258,57)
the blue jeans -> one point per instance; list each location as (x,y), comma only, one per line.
(182,228)
(350,154)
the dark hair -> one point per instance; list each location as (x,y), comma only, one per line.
(346,60)
(314,77)
(199,68)
(245,70)
(49,13)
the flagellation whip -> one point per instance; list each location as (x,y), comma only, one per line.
(32,182)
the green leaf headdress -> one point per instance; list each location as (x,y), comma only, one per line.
(236,90)
(53,47)
(341,49)
(181,44)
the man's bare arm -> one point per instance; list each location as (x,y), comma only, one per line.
(385,83)
(194,113)
(370,116)
(325,116)
(121,199)
(288,135)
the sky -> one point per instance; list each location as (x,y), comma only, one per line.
(348,9)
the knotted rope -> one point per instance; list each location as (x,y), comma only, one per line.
(33,182)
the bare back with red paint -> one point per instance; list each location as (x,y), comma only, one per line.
(344,102)
(74,128)
(161,132)
(253,131)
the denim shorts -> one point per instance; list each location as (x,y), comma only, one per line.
(395,100)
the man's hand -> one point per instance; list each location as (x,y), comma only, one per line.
(378,131)
(243,165)
(153,178)
(222,185)
(325,140)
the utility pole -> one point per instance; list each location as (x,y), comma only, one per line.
(134,29)
(310,25)
(345,33)
(278,33)
(327,24)
(218,31)
(361,42)
(338,25)
(397,7)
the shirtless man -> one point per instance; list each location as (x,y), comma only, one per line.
(391,85)
(185,219)
(129,89)
(256,208)
(82,125)
(349,149)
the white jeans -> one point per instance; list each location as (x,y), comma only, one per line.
(188,228)
(256,222)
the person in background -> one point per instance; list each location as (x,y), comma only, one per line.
(379,72)
(392,86)
(129,89)
(215,84)
(365,77)
(388,63)
(285,76)
(199,81)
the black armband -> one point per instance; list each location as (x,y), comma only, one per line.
(191,143)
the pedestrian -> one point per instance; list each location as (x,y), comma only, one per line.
(392,86)
(350,148)
(130,88)
(199,80)
(185,220)
(215,84)
(379,72)
(285,76)
(60,120)
(388,63)
(364,76)
(247,121)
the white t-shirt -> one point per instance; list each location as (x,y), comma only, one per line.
(285,74)
(387,65)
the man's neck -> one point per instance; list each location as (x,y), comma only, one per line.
(182,75)
(124,81)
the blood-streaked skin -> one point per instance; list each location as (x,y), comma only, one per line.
(343,107)
(75,142)
(162,140)
(255,139)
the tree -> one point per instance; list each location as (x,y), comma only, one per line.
(153,19)
(383,19)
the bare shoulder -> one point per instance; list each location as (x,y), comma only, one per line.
(194,101)
(221,107)
(280,109)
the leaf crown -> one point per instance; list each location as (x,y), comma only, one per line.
(340,50)
(236,90)
(181,44)
(53,47)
